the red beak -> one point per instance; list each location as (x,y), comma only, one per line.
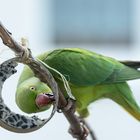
(44,100)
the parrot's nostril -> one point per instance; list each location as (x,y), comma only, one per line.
(51,96)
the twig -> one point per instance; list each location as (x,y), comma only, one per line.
(44,75)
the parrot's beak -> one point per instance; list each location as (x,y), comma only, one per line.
(44,100)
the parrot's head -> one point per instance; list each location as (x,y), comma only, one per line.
(33,96)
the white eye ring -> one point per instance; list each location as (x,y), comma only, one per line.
(32,88)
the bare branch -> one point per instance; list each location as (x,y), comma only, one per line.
(44,75)
(9,41)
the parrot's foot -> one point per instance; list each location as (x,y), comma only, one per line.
(76,135)
(69,106)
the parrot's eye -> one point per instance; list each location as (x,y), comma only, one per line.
(32,88)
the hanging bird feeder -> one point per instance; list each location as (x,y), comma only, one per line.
(13,121)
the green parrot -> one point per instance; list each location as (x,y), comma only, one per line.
(91,77)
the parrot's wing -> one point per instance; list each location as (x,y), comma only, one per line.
(85,68)
(80,67)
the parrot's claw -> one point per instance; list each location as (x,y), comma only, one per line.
(69,106)
(75,135)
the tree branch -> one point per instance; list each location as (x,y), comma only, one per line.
(44,75)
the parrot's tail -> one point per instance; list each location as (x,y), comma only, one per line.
(123,96)
(132,64)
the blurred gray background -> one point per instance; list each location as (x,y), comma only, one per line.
(108,27)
